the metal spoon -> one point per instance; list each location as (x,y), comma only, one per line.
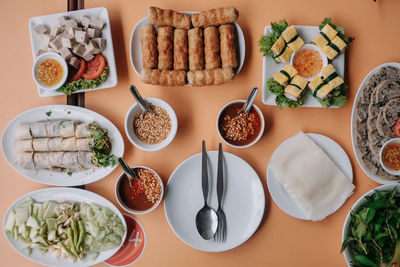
(143,105)
(206,218)
(249,103)
(128,171)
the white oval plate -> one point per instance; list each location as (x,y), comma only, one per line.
(60,194)
(243,200)
(335,153)
(371,175)
(61,112)
(136,47)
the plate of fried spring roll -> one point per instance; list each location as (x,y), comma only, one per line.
(62,145)
(171,48)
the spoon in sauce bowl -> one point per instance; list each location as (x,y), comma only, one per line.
(249,103)
(128,171)
(143,105)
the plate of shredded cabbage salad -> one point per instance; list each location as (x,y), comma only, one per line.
(64,227)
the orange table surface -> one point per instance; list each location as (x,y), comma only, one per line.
(280,239)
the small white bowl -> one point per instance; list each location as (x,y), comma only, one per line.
(128,209)
(130,132)
(261,120)
(312,47)
(394,140)
(57,57)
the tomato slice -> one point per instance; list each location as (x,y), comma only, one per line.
(75,74)
(95,67)
(396,128)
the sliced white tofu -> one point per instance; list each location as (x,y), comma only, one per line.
(68,41)
(65,53)
(78,50)
(81,37)
(54,30)
(92,48)
(96,23)
(56,44)
(93,33)
(88,56)
(71,23)
(101,43)
(62,20)
(45,40)
(85,21)
(40,29)
(74,62)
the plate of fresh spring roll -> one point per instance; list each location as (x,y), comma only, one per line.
(62,145)
(171,48)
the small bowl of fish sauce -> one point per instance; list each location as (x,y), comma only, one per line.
(309,61)
(389,156)
(50,71)
(145,194)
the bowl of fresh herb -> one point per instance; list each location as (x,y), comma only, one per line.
(371,232)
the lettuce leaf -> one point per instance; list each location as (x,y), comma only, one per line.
(340,30)
(281,100)
(267,41)
(337,97)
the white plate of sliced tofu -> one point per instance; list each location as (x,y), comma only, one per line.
(307,33)
(75,35)
(54,156)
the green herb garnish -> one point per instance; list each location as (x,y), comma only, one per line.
(48,113)
(69,173)
(281,100)
(373,236)
(267,41)
(81,84)
(101,147)
(339,29)
(337,97)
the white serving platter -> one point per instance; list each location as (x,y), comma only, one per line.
(61,112)
(99,12)
(278,192)
(370,174)
(243,200)
(136,47)
(307,33)
(61,194)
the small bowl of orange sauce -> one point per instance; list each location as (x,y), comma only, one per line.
(389,156)
(50,71)
(308,61)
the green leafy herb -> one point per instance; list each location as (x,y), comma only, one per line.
(48,113)
(267,41)
(69,173)
(68,112)
(373,236)
(280,99)
(101,147)
(71,87)
(340,30)
(337,97)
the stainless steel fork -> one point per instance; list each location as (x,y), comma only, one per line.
(220,236)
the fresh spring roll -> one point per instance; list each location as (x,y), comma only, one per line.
(23,131)
(196,49)
(334,48)
(38,129)
(83,130)
(215,17)
(148,41)
(85,160)
(42,160)
(211,48)
(67,128)
(285,74)
(53,128)
(228,50)
(70,161)
(41,144)
(292,39)
(210,77)
(165,17)
(180,49)
(55,144)
(69,144)
(56,159)
(25,160)
(83,144)
(165,41)
(24,145)
(163,77)
(282,53)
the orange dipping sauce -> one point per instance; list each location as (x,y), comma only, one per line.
(49,72)
(308,63)
(391,156)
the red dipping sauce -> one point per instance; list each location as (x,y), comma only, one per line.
(307,62)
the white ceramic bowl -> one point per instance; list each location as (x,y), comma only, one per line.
(131,133)
(394,140)
(315,48)
(57,57)
(128,209)
(387,187)
(261,120)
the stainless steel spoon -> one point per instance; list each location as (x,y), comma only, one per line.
(206,218)
(249,103)
(131,174)
(143,105)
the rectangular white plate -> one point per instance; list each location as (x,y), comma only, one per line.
(99,12)
(307,33)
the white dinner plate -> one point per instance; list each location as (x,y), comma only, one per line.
(49,20)
(60,194)
(278,192)
(61,112)
(370,174)
(243,200)
(307,33)
(136,47)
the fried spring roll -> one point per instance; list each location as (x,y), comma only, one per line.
(211,48)
(215,17)
(228,49)
(210,77)
(180,49)
(166,17)
(196,49)
(148,41)
(163,77)
(165,41)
